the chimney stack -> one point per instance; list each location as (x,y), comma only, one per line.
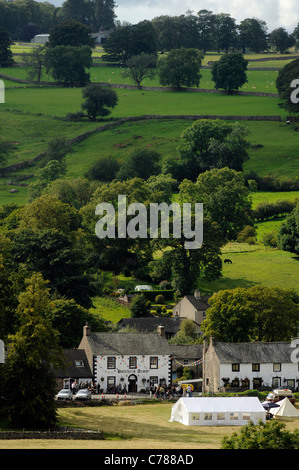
(197,294)
(86,330)
(161,330)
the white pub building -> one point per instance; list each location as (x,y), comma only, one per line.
(133,360)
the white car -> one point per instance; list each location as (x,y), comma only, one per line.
(83,394)
(64,394)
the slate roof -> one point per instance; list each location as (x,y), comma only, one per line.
(71,369)
(186,351)
(200,304)
(255,353)
(128,344)
(150,324)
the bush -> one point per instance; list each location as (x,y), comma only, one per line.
(269,435)
(160,299)
(247,235)
(270,239)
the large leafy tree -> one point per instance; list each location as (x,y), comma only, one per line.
(209,144)
(225,197)
(26,381)
(229,72)
(141,66)
(253,35)
(284,81)
(6,56)
(68,64)
(59,260)
(206,23)
(130,40)
(225,32)
(270,435)
(104,15)
(181,67)
(98,100)
(251,314)
(281,40)
(140,164)
(70,33)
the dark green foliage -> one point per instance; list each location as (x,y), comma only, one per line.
(141,164)
(288,236)
(139,67)
(70,33)
(229,72)
(131,40)
(181,67)
(27,385)
(281,40)
(6,56)
(284,80)
(209,144)
(98,100)
(271,435)
(67,64)
(54,255)
(252,314)
(138,306)
(104,169)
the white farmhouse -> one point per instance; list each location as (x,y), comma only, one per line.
(132,359)
(250,365)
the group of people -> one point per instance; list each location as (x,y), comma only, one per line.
(170,391)
(117,389)
(156,390)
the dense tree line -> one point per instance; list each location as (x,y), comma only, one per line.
(204,30)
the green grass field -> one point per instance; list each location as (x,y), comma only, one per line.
(261,81)
(147,427)
(256,265)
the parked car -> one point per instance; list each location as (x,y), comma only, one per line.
(83,394)
(279,394)
(64,394)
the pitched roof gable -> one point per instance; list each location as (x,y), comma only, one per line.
(128,344)
(255,353)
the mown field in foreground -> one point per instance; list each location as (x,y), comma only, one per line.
(134,427)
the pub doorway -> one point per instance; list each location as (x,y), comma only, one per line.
(132,383)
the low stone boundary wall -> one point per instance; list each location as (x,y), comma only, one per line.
(69,434)
(81,137)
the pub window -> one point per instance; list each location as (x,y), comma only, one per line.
(111,381)
(255,367)
(111,362)
(236,367)
(276,381)
(153,380)
(276,367)
(153,363)
(133,362)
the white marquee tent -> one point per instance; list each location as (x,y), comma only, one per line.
(285,409)
(218,411)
